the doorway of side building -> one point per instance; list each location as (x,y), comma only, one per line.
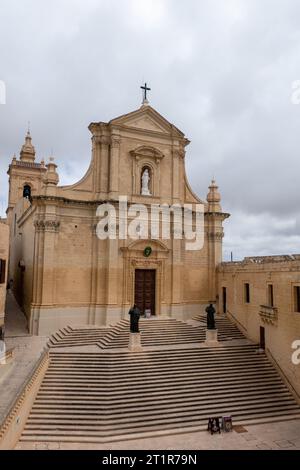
(224,299)
(262,342)
(144,290)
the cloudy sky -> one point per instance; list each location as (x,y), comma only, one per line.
(220,70)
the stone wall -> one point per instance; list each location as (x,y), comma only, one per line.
(281,321)
(69,277)
(4,243)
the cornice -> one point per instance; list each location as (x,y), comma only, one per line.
(221,215)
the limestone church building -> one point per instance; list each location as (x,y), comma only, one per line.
(63,274)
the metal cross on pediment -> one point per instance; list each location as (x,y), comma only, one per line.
(145,88)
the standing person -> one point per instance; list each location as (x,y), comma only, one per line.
(135,314)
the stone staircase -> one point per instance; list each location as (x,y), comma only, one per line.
(154,332)
(80,336)
(106,396)
(225,327)
(162,332)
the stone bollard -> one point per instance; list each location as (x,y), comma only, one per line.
(212,338)
(135,344)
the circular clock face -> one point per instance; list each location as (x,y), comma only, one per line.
(147,251)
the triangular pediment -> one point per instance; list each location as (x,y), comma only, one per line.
(146,123)
(146,118)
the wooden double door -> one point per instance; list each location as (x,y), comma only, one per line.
(144,292)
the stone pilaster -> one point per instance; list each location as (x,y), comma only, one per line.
(112,281)
(44,285)
(101,164)
(114,166)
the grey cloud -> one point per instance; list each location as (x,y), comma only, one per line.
(220,71)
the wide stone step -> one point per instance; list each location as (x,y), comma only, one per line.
(212,381)
(130,385)
(185,351)
(163,397)
(105,408)
(65,364)
(135,434)
(193,363)
(92,411)
(162,422)
(207,371)
(132,361)
(154,392)
(139,382)
(182,349)
(73,369)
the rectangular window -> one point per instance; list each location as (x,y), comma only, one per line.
(297,299)
(2,271)
(270,295)
(247,293)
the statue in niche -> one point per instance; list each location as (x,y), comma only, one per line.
(145,183)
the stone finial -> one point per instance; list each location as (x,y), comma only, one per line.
(27,153)
(51,176)
(214,198)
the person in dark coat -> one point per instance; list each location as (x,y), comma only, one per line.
(210,317)
(135,314)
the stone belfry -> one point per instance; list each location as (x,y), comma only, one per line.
(24,174)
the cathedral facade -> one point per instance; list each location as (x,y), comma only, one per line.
(64,273)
